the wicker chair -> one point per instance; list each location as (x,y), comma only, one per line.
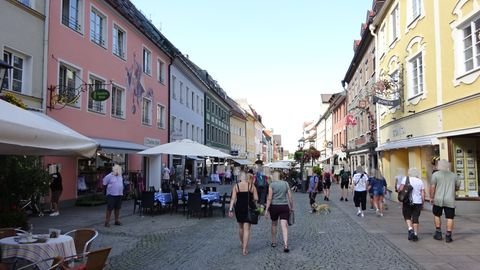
(83,239)
(7,232)
(96,260)
(57,263)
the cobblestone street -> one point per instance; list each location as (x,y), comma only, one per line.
(333,241)
(340,240)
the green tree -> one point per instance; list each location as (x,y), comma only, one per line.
(317,170)
(303,156)
(20,178)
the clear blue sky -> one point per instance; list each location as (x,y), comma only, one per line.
(278,54)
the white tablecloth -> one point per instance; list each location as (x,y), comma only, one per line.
(61,246)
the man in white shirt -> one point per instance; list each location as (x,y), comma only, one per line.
(360,182)
(165,174)
(412,207)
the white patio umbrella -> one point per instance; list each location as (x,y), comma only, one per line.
(185,147)
(23,132)
(280,164)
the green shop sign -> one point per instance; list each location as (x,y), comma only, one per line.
(100,95)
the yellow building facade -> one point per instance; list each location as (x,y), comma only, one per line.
(428,58)
(238,136)
(250,133)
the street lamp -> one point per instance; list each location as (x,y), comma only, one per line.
(301,143)
(4,67)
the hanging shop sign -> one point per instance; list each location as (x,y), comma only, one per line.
(100,94)
(350,120)
(386,102)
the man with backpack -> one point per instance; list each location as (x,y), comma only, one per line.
(262,186)
(413,202)
(345,181)
(312,190)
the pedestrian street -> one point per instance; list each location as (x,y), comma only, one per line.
(333,241)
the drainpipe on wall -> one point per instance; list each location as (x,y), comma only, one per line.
(169,110)
(372,29)
(45,57)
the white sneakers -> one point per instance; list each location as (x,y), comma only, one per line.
(54,214)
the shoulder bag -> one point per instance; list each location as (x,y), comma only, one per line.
(252,213)
(291,216)
(404,194)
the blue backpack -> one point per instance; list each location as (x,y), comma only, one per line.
(260,180)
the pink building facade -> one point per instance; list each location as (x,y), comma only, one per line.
(339,131)
(107,45)
(339,128)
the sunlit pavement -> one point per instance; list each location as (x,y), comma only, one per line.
(340,240)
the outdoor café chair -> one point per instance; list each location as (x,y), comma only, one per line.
(175,201)
(183,201)
(223,204)
(7,232)
(219,205)
(194,204)
(57,263)
(148,201)
(137,200)
(96,260)
(83,239)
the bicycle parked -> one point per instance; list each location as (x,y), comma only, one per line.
(32,206)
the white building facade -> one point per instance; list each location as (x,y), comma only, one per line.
(187,93)
(23,46)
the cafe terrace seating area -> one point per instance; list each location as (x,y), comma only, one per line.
(200,202)
(22,250)
(53,249)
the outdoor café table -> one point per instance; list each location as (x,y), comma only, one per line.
(165,198)
(61,246)
(209,197)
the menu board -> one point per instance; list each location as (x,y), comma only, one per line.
(465,165)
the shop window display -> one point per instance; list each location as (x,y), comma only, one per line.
(465,164)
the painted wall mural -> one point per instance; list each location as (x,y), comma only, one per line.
(135,85)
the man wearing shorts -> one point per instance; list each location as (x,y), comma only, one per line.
(113,183)
(442,196)
(344,184)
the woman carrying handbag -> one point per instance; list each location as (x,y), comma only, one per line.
(279,206)
(244,198)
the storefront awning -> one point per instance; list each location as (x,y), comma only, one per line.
(117,146)
(243,161)
(324,159)
(407,143)
(362,151)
